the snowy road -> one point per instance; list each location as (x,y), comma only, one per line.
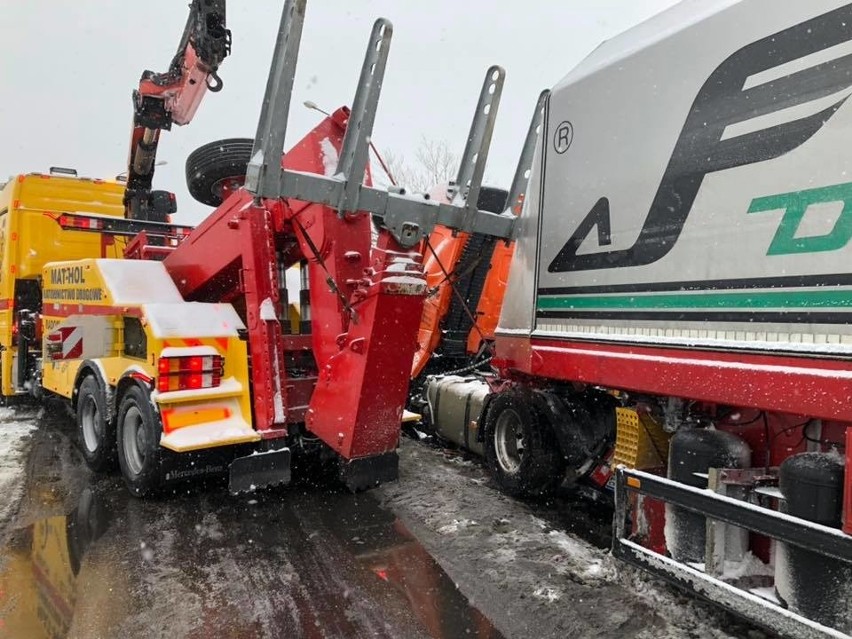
(438,554)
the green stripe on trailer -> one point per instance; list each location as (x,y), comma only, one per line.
(710,300)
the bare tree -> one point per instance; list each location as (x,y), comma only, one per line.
(434,163)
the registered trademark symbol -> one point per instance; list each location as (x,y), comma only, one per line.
(563,137)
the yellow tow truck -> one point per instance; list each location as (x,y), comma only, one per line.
(114,336)
(117,328)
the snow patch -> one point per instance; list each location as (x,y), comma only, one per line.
(137,281)
(547,593)
(210,434)
(330,158)
(456,525)
(404,279)
(400,265)
(577,552)
(188,351)
(267,310)
(192,319)
(747,567)
(15,427)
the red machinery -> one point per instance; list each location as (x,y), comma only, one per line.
(170,98)
(346,382)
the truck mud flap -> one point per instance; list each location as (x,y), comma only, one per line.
(369,472)
(720,508)
(259,470)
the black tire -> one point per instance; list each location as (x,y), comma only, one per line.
(139,451)
(210,166)
(535,467)
(96,433)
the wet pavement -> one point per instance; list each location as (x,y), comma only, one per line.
(440,553)
(302,562)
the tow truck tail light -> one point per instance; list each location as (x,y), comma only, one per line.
(80,222)
(189,373)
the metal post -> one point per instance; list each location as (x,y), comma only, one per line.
(715,546)
(355,150)
(263,177)
(518,192)
(472,165)
(619,522)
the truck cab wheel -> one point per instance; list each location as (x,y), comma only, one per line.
(97,434)
(217,167)
(521,450)
(139,452)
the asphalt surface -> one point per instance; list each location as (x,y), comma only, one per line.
(438,554)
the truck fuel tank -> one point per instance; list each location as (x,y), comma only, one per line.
(455,405)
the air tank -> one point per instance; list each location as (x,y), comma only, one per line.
(815,586)
(696,451)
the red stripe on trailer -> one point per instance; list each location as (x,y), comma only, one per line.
(820,388)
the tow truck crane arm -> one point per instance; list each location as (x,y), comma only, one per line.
(163,99)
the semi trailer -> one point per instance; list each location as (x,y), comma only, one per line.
(675,329)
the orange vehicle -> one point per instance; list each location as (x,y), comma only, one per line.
(466,275)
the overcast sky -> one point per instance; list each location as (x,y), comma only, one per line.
(68,69)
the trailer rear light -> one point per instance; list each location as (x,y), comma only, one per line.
(80,222)
(189,373)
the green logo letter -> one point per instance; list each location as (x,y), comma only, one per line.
(795,205)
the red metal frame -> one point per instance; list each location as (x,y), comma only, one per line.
(803,386)
(182,96)
(363,337)
(357,404)
(790,389)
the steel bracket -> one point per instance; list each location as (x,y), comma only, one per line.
(408,218)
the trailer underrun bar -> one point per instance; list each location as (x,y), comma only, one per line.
(779,526)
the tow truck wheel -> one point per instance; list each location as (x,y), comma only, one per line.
(97,435)
(215,168)
(520,447)
(139,451)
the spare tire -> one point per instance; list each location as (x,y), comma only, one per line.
(213,165)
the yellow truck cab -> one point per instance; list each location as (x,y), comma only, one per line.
(37,218)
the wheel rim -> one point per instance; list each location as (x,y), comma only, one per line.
(134,440)
(509,441)
(224,187)
(93,428)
